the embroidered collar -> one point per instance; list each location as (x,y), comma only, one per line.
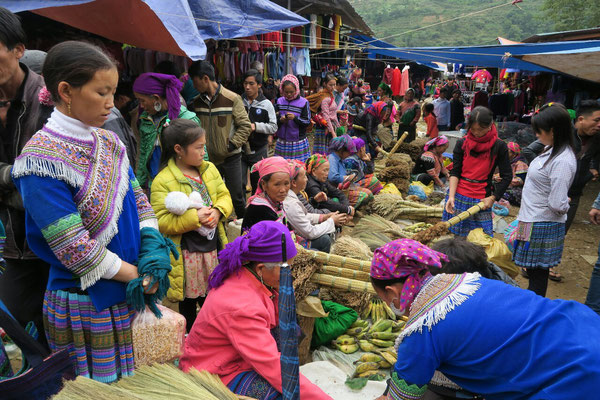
(440,295)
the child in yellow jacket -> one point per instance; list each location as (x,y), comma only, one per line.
(191,203)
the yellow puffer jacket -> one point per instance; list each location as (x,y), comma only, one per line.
(171,179)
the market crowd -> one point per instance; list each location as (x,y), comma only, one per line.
(98,179)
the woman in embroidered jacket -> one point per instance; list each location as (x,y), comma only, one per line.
(273,186)
(488,337)
(246,331)
(84,213)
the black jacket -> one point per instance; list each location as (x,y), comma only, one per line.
(585,161)
(365,124)
(31,116)
(314,187)
(262,114)
(500,149)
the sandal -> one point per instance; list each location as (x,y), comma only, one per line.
(555,276)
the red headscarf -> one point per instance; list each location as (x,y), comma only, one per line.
(377,109)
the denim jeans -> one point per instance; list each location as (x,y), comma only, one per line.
(593,295)
(322,243)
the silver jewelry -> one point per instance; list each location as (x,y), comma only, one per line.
(157,106)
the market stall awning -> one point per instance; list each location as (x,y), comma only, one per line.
(350,18)
(160,25)
(228,19)
(581,63)
(499,56)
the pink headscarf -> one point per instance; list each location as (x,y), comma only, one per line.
(268,166)
(405,258)
(435,142)
(295,167)
(514,147)
(294,80)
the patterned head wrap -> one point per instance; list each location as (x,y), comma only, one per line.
(268,166)
(386,89)
(295,167)
(358,143)
(514,147)
(314,161)
(405,258)
(343,142)
(378,109)
(435,142)
(290,78)
(167,86)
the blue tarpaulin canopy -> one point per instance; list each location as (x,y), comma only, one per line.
(173,26)
(499,56)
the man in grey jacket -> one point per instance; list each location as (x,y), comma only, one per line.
(264,124)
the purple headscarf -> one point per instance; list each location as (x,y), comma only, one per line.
(167,86)
(358,143)
(262,243)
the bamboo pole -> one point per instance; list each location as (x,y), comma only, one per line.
(342,283)
(346,273)
(397,145)
(465,214)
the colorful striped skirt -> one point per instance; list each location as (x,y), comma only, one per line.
(321,143)
(253,385)
(370,182)
(358,196)
(544,248)
(293,150)
(100,343)
(483,219)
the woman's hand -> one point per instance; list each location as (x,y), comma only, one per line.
(213,220)
(450,205)
(127,272)
(203,215)
(146,283)
(378,149)
(352,210)
(321,196)
(488,202)
(339,219)
(367,156)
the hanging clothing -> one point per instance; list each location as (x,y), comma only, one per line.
(388,74)
(313,31)
(405,82)
(396,81)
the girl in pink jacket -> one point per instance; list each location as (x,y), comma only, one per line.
(234,333)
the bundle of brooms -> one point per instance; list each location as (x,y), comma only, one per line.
(151,382)
(392,207)
(441,228)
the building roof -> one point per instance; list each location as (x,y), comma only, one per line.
(350,18)
(579,34)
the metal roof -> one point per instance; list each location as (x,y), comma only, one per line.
(579,34)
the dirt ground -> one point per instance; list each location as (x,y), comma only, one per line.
(581,241)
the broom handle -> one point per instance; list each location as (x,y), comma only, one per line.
(465,214)
(398,143)
(339,261)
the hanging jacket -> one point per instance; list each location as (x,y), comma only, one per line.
(171,179)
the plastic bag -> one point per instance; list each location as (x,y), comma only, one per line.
(311,307)
(510,234)
(417,190)
(390,188)
(427,189)
(335,324)
(157,340)
(500,210)
(496,250)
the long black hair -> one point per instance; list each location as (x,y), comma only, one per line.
(180,131)
(554,117)
(481,116)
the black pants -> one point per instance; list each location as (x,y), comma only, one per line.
(322,243)
(188,308)
(412,132)
(538,280)
(22,288)
(248,160)
(231,171)
(573,205)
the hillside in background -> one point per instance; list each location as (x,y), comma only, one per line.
(390,17)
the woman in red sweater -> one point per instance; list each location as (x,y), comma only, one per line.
(475,159)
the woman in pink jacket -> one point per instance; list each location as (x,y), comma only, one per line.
(234,333)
